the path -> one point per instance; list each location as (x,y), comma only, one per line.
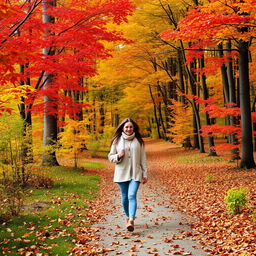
(159,230)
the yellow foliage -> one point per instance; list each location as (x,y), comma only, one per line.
(182,118)
(136,104)
(13,95)
(74,136)
(159,76)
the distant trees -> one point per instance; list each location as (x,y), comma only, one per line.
(56,54)
(215,23)
(173,61)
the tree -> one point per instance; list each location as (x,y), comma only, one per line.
(231,21)
(50,119)
(77,36)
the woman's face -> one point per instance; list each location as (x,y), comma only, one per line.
(128,128)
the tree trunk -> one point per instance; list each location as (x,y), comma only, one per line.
(224,76)
(102,118)
(78,96)
(50,120)
(247,160)
(155,113)
(232,100)
(212,152)
(181,78)
(187,141)
(159,107)
(25,114)
(198,141)
(254,124)
(196,116)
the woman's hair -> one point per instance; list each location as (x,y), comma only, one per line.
(119,130)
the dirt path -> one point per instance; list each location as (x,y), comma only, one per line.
(159,229)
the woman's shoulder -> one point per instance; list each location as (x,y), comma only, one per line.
(140,140)
(117,141)
(137,142)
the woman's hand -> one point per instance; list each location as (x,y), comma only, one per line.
(121,153)
(144,180)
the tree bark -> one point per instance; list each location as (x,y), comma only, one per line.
(159,107)
(181,78)
(187,141)
(210,138)
(232,100)
(224,76)
(247,160)
(198,140)
(50,120)
(155,112)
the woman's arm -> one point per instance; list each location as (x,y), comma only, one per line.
(115,157)
(144,165)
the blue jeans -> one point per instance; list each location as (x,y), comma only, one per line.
(129,197)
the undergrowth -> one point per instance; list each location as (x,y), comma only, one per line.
(51,230)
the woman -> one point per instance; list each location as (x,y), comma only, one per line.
(127,151)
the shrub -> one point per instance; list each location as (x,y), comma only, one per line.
(235,199)
(12,196)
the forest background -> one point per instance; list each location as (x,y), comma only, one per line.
(73,70)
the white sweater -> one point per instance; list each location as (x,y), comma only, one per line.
(133,165)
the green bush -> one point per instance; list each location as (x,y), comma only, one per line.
(235,199)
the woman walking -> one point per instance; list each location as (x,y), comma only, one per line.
(127,152)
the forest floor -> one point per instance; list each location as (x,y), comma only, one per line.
(181,210)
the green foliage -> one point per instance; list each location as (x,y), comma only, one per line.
(92,165)
(15,154)
(235,199)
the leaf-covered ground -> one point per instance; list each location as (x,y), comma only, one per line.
(180,181)
(183,177)
(191,193)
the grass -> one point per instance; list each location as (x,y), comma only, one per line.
(52,230)
(198,158)
(92,165)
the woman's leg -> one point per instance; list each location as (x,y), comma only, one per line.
(132,197)
(124,192)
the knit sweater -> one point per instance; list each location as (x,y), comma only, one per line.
(133,165)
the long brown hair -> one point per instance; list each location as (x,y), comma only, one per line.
(119,130)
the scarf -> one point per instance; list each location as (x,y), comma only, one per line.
(128,137)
